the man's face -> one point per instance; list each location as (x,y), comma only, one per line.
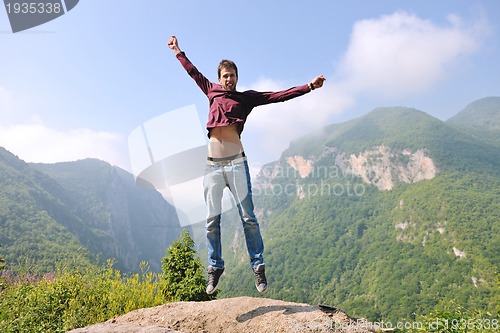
(228,78)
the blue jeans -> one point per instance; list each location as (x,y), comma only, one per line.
(236,177)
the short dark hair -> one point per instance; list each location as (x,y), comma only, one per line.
(226,64)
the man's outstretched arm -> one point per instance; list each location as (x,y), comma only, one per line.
(262,98)
(202,82)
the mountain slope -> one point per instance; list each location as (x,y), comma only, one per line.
(385,216)
(52,211)
(481,118)
(29,211)
(125,222)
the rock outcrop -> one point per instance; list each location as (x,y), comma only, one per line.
(381,166)
(241,314)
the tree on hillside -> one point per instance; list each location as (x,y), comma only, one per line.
(184,277)
(2,266)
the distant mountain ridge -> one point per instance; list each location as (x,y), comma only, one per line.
(481,118)
(402,128)
(387,146)
(95,205)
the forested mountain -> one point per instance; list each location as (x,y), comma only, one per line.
(31,204)
(480,118)
(385,216)
(52,212)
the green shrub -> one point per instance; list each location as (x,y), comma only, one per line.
(70,300)
(183,274)
(2,266)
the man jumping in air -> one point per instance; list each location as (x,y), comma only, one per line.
(227,164)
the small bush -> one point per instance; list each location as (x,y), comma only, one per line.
(70,300)
(183,274)
(2,266)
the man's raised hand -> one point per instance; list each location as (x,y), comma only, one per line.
(173,45)
(317,82)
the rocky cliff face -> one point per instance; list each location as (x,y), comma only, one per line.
(117,219)
(141,223)
(382,167)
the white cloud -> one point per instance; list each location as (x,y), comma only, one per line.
(401,54)
(395,55)
(38,143)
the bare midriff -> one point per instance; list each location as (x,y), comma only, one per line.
(224,142)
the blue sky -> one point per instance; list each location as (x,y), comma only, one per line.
(77,86)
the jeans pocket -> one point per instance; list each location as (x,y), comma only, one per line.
(210,168)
